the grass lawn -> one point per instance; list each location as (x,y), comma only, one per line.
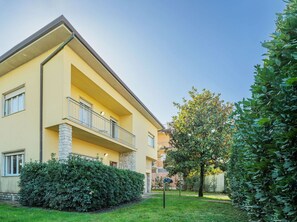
(188,207)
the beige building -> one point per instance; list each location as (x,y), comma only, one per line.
(59,96)
(159,172)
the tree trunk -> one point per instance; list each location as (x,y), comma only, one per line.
(201,180)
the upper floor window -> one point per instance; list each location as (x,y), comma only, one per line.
(13,163)
(14,101)
(151,140)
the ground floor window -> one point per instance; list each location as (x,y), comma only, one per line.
(113,164)
(13,163)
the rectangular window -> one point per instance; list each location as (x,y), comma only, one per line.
(14,101)
(13,163)
(151,140)
(113,164)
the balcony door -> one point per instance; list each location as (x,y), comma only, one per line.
(85,113)
(114,129)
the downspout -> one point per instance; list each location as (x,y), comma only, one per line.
(41,92)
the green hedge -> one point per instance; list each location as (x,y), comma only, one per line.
(263,166)
(77,185)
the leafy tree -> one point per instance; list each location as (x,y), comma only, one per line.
(263,166)
(200,135)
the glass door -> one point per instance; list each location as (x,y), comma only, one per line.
(114,129)
(85,113)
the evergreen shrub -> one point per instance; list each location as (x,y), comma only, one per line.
(77,185)
(263,164)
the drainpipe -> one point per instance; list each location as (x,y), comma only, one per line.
(41,92)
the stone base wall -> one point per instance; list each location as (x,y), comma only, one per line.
(128,161)
(9,196)
(65,141)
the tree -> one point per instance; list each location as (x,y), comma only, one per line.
(200,134)
(263,166)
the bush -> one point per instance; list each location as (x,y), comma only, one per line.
(192,182)
(263,166)
(77,185)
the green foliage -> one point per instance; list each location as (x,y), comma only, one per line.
(192,182)
(200,135)
(263,166)
(77,185)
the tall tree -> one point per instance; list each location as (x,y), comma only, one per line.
(263,166)
(200,134)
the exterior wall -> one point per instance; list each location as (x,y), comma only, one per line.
(20,131)
(51,144)
(88,149)
(9,196)
(65,141)
(148,175)
(56,87)
(159,173)
(163,139)
(78,94)
(128,160)
(137,123)
(163,142)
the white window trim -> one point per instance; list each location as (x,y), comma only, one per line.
(5,162)
(13,93)
(150,135)
(86,102)
(10,94)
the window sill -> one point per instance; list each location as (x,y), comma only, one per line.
(11,176)
(13,113)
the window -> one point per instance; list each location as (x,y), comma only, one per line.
(13,163)
(85,112)
(163,157)
(14,101)
(113,164)
(151,140)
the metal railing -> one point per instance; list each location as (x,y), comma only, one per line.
(85,116)
(84,157)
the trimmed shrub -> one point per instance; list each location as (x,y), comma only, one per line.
(263,166)
(77,185)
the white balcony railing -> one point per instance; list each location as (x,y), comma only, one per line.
(85,116)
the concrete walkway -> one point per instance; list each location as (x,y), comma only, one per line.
(147,195)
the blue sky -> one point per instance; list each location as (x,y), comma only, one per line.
(160,48)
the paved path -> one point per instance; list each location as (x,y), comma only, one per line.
(147,195)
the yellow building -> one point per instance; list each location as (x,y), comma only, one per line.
(59,96)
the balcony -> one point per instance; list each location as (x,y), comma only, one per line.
(83,115)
